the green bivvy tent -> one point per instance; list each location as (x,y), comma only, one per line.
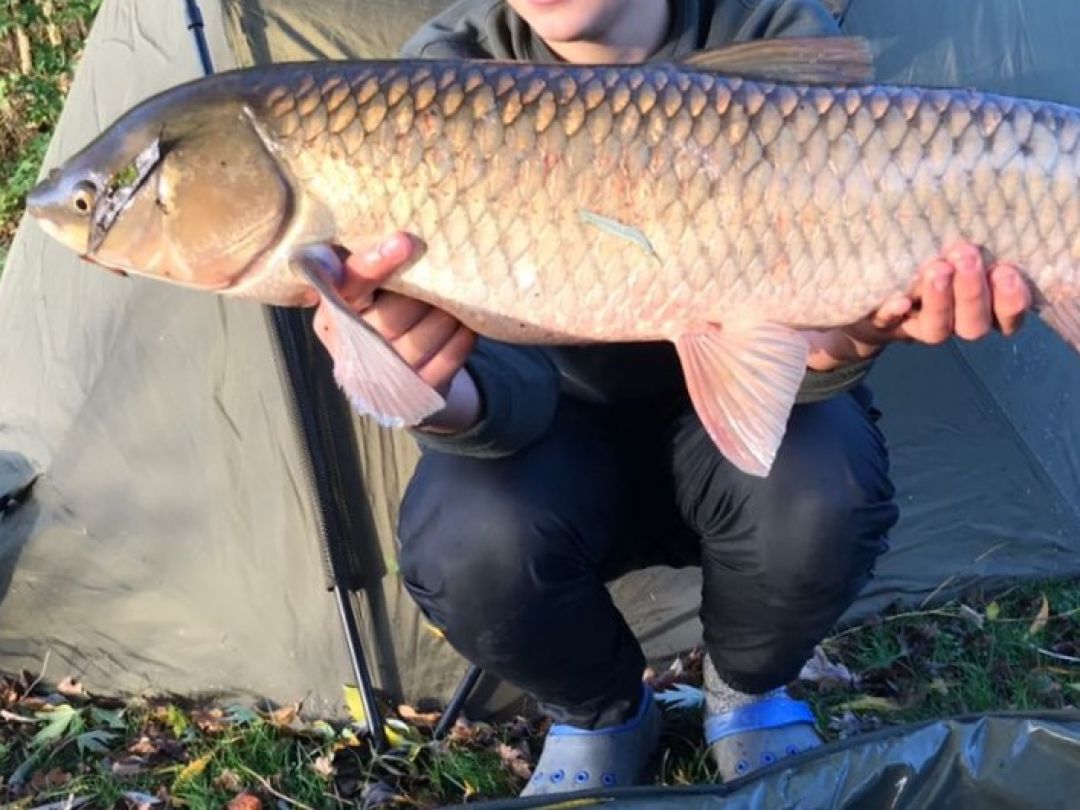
(170,462)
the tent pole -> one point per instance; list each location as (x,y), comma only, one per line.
(345,607)
(196,26)
(461,694)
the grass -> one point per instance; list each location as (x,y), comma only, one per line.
(40,43)
(1018,650)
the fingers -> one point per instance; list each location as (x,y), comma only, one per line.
(432,342)
(366,271)
(973,314)
(934,322)
(444,364)
(425,338)
(1011,297)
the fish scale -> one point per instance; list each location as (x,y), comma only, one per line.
(721,190)
(716,209)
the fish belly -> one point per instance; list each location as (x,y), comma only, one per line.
(572,204)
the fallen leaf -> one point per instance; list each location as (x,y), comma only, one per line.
(60,720)
(871,703)
(993,610)
(175,719)
(144,746)
(970,614)
(285,716)
(245,801)
(355,704)
(516,760)
(421,719)
(71,688)
(825,673)
(49,780)
(142,801)
(401,735)
(1040,619)
(228,781)
(128,766)
(241,716)
(209,721)
(324,767)
(96,741)
(109,717)
(194,768)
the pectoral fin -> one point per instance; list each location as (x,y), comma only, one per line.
(743,385)
(369,371)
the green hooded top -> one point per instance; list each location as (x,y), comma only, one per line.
(520,386)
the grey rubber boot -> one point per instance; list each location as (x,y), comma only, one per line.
(577,759)
(747,732)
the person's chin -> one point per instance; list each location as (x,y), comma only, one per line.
(556,20)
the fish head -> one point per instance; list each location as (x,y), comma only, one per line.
(182,188)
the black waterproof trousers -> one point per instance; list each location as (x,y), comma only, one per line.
(508,557)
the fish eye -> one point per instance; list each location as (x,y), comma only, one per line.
(83,196)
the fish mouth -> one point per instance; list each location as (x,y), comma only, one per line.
(115,199)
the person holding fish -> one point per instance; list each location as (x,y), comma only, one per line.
(626,297)
(551,471)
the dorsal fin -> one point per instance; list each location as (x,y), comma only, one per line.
(818,60)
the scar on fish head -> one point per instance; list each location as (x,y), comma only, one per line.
(182,188)
(76,205)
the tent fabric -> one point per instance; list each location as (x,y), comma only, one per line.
(988,762)
(170,540)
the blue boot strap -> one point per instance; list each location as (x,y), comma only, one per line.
(774,712)
(630,725)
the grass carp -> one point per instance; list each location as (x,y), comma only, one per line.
(722,204)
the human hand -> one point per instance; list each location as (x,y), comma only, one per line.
(954,295)
(433,343)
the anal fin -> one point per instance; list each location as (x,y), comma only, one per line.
(743,385)
(1063,316)
(377,382)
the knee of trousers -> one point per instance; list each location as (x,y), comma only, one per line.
(471,552)
(826,540)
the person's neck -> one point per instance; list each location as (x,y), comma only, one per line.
(641,28)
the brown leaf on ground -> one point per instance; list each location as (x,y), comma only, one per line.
(324,767)
(71,688)
(209,721)
(516,760)
(144,747)
(826,674)
(49,780)
(466,732)
(285,716)
(1041,618)
(418,719)
(228,781)
(245,801)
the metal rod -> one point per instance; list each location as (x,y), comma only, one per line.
(346,609)
(453,708)
(360,670)
(197,28)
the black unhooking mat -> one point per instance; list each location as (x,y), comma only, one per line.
(988,762)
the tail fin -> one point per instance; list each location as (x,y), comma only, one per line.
(1063,316)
